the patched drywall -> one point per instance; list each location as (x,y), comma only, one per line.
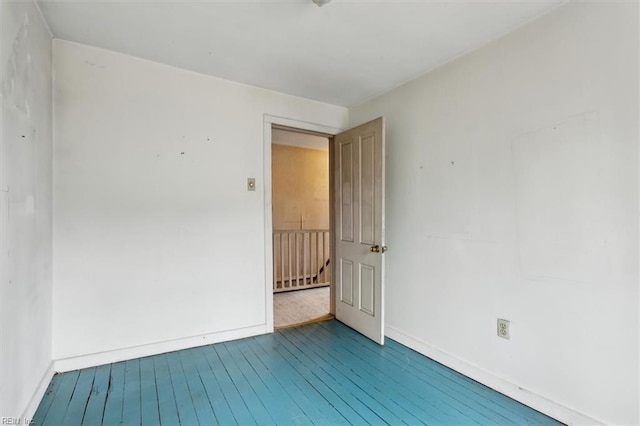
(512,192)
(25,207)
(156,235)
(561,225)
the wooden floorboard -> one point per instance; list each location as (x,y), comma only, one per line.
(450,406)
(149,409)
(240,411)
(351,384)
(97,396)
(167,406)
(417,405)
(47,400)
(80,398)
(131,398)
(186,408)
(61,401)
(318,374)
(112,413)
(316,408)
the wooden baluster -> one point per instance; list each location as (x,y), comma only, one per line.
(316,269)
(275,259)
(306,268)
(309,250)
(323,266)
(318,265)
(329,266)
(297,260)
(289,258)
(319,254)
(282,285)
(310,260)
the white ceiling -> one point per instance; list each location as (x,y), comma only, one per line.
(342,53)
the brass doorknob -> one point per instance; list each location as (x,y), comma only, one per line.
(377,249)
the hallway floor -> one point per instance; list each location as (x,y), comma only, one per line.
(295,307)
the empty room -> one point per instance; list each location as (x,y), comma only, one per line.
(458,181)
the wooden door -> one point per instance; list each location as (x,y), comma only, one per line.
(359,228)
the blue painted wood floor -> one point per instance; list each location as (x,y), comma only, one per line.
(321,374)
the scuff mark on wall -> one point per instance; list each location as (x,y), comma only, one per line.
(16,82)
(94,64)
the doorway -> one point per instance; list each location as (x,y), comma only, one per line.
(356,196)
(301,231)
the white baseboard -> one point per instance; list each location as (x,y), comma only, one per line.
(533,400)
(32,406)
(101,358)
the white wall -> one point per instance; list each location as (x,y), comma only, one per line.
(25,208)
(512,192)
(156,235)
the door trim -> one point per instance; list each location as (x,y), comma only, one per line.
(268,123)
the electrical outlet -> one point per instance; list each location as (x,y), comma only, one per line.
(503,328)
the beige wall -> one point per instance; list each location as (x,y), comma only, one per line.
(300,188)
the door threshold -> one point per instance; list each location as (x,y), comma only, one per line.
(326,317)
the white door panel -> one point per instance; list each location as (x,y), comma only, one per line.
(359,216)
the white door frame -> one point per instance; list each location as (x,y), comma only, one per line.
(269,121)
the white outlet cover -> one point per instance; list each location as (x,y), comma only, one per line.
(503,328)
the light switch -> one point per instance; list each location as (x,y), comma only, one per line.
(251,184)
